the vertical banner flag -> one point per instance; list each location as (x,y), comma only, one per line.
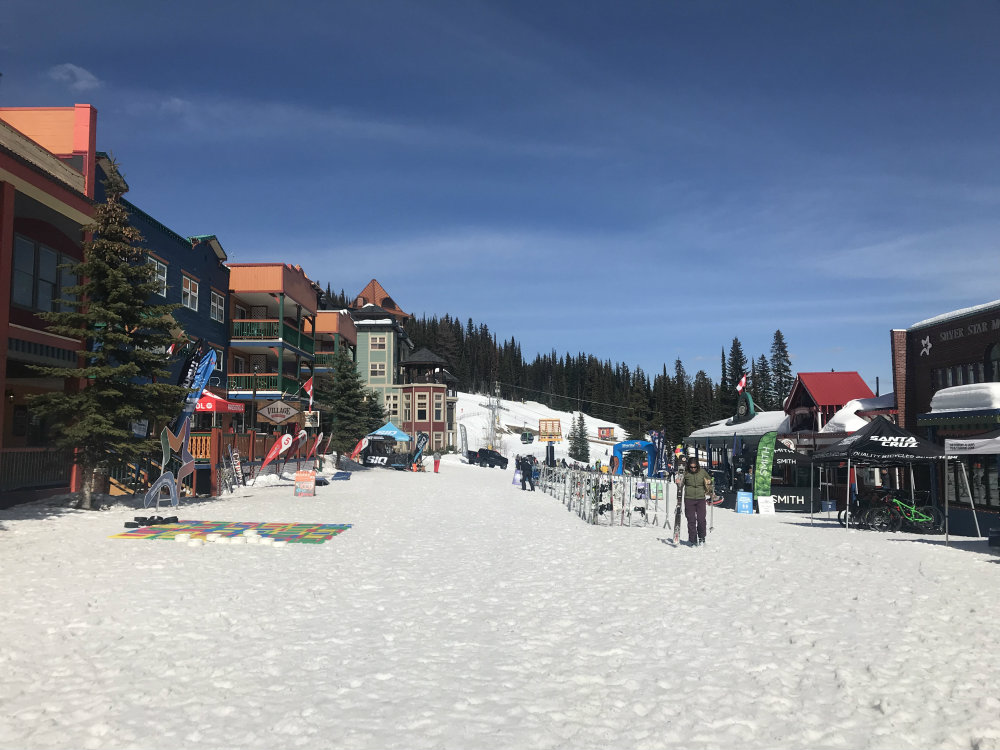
(280,446)
(765,460)
(741,386)
(312,451)
(308,388)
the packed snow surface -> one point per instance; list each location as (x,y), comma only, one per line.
(460,612)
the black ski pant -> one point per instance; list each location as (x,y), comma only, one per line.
(694,512)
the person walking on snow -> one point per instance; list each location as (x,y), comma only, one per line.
(697,487)
(437,461)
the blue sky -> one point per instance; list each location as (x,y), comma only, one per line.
(638,180)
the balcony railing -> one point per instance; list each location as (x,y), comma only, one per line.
(325,359)
(263,381)
(272,330)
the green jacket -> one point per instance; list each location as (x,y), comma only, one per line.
(696,484)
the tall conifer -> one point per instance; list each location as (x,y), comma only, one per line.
(125,339)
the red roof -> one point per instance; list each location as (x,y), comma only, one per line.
(832,388)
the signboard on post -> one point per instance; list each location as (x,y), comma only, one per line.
(277,412)
(305,483)
(549,431)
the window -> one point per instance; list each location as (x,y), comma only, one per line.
(438,407)
(377,343)
(218,309)
(377,370)
(406,407)
(438,440)
(392,404)
(421,407)
(189,293)
(37,280)
(239,364)
(993,366)
(160,274)
(241,313)
(219,361)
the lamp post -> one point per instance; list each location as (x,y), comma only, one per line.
(253,400)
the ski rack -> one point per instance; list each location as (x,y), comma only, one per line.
(611,500)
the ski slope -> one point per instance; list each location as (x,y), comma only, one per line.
(459,612)
(516,416)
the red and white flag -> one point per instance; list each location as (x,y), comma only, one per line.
(741,386)
(308,388)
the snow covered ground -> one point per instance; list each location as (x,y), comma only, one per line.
(460,612)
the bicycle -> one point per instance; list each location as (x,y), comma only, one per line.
(892,514)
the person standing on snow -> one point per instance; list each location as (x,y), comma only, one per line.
(696,485)
(437,461)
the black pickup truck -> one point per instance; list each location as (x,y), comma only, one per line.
(486,457)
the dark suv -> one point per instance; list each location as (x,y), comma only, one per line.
(486,457)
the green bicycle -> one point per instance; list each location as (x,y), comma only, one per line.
(893,514)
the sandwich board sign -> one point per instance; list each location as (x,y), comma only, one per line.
(277,412)
(305,483)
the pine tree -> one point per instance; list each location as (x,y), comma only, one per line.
(125,340)
(763,384)
(579,447)
(702,396)
(734,369)
(349,414)
(374,412)
(781,369)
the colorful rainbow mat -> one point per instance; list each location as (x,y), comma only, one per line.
(293,533)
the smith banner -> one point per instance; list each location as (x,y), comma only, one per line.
(765,459)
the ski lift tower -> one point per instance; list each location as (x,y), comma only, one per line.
(493,406)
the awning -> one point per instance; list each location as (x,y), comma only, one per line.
(210,402)
(390,430)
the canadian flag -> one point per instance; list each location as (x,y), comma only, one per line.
(308,388)
(741,386)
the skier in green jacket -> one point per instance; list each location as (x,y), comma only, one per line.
(697,487)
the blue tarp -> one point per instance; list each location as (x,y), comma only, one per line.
(392,431)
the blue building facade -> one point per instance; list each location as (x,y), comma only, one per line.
(193,275)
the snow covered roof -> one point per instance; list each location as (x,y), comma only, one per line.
(847,419)
(762,423)
(976,396)
(381,322)
(945,317)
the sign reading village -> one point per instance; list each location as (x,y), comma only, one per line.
(277,412)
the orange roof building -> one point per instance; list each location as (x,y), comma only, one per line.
(375,295)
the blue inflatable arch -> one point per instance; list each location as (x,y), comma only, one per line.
(635,445)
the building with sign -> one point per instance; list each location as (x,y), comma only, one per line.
(272,349)
(47,176)
(958,348)
(817,396)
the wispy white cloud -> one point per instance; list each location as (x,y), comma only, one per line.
(75,77)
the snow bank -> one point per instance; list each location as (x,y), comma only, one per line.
(967,397)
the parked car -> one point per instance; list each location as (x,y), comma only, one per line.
(487,457)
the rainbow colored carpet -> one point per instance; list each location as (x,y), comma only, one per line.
(293,533)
